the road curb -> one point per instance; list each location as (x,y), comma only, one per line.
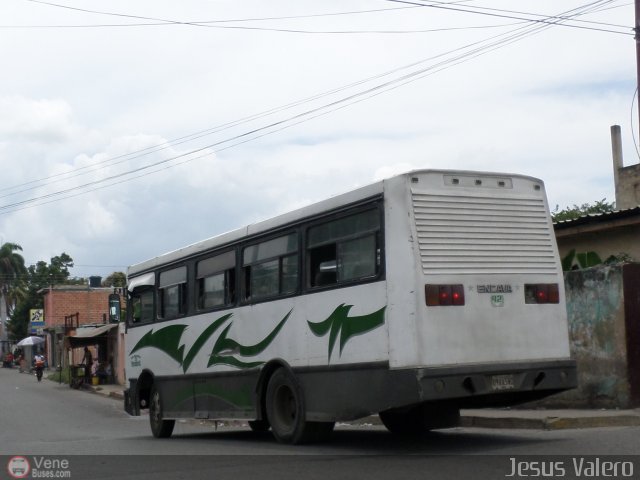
(550,423)
(117,395)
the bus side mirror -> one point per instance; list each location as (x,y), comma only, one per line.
(114,308)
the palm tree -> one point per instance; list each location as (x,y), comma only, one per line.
(12,270)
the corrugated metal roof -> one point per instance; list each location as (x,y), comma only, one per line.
(86,332)
(595,218)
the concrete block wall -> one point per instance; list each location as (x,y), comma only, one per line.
(602,310)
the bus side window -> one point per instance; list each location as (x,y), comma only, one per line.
(344,250)
(216,290)
(173,300)
(357,258)
(172,293)
(142,306)
(323,263)
(270,268)
(216,281)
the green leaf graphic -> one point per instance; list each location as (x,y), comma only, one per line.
(225,348)
(202,339)
(339,322)
(166,339)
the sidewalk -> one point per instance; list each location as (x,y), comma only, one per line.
(549,419)
(499,418)
(113,391)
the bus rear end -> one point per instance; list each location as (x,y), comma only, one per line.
(476,303)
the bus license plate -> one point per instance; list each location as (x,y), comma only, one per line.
(502,382)
(497,300)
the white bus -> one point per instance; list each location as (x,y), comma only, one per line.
(409,298)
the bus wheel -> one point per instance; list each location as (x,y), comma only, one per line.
(159,427)
(259,425)
(285,407)
(286,411)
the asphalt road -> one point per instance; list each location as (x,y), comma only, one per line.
(51,421)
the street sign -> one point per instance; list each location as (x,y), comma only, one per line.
(36,320)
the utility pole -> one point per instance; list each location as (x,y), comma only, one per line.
(637,38)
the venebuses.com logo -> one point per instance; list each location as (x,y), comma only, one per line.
(38,467)
(18,467)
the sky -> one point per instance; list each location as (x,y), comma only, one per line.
(133,128)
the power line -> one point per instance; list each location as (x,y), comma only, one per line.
(473,50)
(633,130)
(207,24)
(154,149)
(311,32)
(509,14)
(215,23)
(233,20)
(178,141)
(403,79)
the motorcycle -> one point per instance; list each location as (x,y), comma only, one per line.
(39,368)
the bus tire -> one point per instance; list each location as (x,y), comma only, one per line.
(160,428)
(286,411)
(285,407)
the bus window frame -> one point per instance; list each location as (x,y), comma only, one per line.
(230,281)
(138,292)
(244,277)
(183,294)
(303,284)
(378,235)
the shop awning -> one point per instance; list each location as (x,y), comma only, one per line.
(90,335)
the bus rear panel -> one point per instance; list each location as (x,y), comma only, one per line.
(482,317)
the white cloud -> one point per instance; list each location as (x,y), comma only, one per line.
(541,106)
(47,120)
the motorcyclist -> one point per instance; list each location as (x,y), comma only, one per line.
(39,364)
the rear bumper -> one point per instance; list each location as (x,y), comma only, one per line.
(353,391)
(499,384)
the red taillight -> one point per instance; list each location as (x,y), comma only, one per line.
(444,295)
(542,293)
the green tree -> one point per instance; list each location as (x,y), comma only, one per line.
(39,276)
(571,213)
(12,271)
(116,279)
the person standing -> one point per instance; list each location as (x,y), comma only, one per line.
(22,363)
(88,362)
